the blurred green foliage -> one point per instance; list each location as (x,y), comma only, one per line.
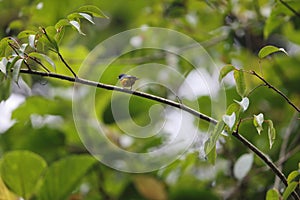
(44,136)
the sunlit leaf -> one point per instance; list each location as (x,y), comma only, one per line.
(225,70)
(21,171)
(292,176)
(272,194)
(289,189)
(63,176)
(243,166)
(229,120)
(87,17)
(240,82)
(258,121)
(3,65)
(93,10)
(244,103)
(267,50)
(271,133)
(76,25)
(77,16)
(16,70)
(31,41)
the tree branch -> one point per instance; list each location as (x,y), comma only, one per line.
(181,106)
(276,90)
(290,8)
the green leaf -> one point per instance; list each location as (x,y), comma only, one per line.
(76,25)
(289,189)
(272,194)
(212,155)
(4,45)
(233,108)
(273,21)
(267,50)
(64,176)
(31,41)
(225,70)
(16,70)
(49,62)
(93,10)
(21,172)
(26,33)
(36,105)
(240,82)
(292,176)
(77,16)
(87,17)
(5,82)
(61,23)
(211,142)
(271,133)
(3,65)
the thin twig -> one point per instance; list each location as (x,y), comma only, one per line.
(171,103)
(249,93)
(14,48)
(276,90)
(66,64)
(290,8)
(58,53)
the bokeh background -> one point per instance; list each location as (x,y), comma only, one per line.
(36,115)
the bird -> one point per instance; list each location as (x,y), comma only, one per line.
(127,80)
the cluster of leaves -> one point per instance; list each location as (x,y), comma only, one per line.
(32,46)
(27,174)
(232,119)
(24,172)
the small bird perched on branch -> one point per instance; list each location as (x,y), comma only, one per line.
(127,80)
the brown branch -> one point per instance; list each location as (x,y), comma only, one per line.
(171,103)
(276,90)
